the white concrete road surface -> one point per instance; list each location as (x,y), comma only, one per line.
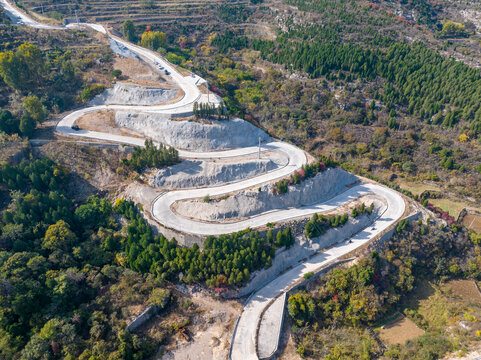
(244,342)
(19,17)
(270,327)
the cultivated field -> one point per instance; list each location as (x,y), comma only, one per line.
(451,206)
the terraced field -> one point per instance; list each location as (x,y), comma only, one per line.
(143,12)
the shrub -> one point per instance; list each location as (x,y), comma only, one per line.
(409,167)
(308,275)
(116,73)
(90,91)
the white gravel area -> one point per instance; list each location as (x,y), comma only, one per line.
(128,94)
(195,173)
(252,202)
(192,135)
(121,49)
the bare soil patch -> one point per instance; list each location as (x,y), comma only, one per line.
(138,72)
(103,121)
(473,222)
(465,289)
(399,330)
(135,71)
(475,354)
(211,327)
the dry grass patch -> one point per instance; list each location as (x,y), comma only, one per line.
(465,289)
(473,222)
(399,330)
(137,72)
(12,148)
(415,187)
(451,206)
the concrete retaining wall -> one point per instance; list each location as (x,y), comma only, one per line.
(182,114)
(182,239)
(233,337)
(290,257)
(187,240)
(145,316)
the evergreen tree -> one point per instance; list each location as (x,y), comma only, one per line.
(128,30)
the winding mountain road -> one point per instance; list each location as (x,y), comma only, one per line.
(245,340)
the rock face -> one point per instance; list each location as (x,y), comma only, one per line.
(252,202)
(190,135)
(127,94)
(190,174)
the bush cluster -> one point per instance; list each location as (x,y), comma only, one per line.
(307,171)
(151,156)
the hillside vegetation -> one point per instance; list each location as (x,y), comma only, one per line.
(386,92)
(145,12)
(63,262)
(334,319)
(385,89)
(44,73)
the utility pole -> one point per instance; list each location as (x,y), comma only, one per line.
(42,8)
(259,155)
(76,17)
(207,84)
